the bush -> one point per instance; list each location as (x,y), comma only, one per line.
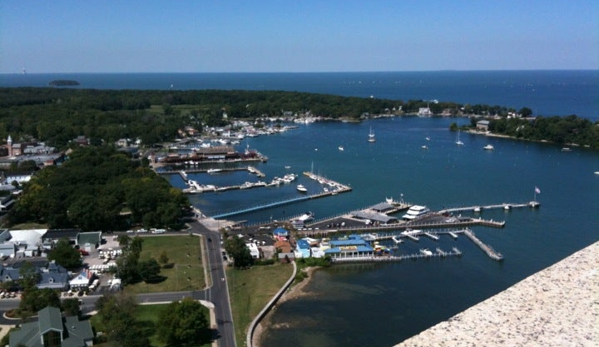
(264,262)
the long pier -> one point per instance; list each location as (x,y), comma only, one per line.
(396,258)
(487,249)
(278,203)
(480,208)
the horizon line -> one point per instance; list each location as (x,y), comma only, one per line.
(286,72)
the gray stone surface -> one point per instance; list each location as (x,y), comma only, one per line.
(558,306)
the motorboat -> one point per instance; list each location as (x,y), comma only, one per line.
(341,148)
(424,147)
(426,252)
(566,149)
(415,212)
(489,147)
(212,171)
(301,188)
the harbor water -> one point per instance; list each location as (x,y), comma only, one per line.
(349,304)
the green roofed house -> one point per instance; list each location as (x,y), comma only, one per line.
(89,241)
(52,330)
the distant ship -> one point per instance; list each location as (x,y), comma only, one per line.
(371,136)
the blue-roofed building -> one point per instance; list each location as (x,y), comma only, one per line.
(302,249)
(52,275)
(351,247)
(280,233)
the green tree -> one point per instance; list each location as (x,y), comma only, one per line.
(34,299)
(124,241)
(525,112)
(149,270)
(163,258)
(117,315)
(237,249)
(184,323)
(64,254)
(71,307)
(29,275)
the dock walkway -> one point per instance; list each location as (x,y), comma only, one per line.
(396,258)
(486,248)
(505,206)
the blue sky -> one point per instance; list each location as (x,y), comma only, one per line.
(296,36)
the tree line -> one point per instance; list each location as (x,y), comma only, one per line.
(560,130)
(99,188)
(59,115)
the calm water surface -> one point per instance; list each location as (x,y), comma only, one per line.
(392,302)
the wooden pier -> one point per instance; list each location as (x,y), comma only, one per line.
(487,249)
(505,206)
(396,258)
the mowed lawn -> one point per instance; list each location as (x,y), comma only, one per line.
(250,290)
(187,272)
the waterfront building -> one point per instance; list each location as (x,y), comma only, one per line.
(351,247)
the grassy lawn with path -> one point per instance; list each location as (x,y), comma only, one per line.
(184,252)
(250,290)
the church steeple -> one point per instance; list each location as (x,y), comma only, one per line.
(9,143)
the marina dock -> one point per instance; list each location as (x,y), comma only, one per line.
(397,258)
(487,249)
(505,206)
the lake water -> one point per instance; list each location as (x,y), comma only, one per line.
(383,304)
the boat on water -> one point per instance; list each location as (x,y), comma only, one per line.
(458,141)
(424,147)
(428,138)
(301,188)
(596,172)
(566,149)
(489,147)
(371,137)
(341,148)
(396,239)
(426,252)
(415,212)
(212,171)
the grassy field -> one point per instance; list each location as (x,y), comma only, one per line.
(186,274)
(250,290)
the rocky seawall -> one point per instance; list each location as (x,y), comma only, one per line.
(558,306)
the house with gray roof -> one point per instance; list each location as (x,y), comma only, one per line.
(52,329)
(52,275)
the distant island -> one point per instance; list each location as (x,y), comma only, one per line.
(63,83)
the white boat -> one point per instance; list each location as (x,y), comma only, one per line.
(211,171)
(458,141)
(477,209)
(341,148)
(428,138)
(424,147)
(415,212)
(426,252)
(488,148)
(596,172)
(566,149)
(301,188)
(371,136)
(287,167)
(396,239)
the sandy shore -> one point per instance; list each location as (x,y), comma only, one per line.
(294,292)
(558,306)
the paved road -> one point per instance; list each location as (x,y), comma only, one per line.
(217,293)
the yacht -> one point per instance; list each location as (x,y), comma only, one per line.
(301,188)
(415,212)
(489,148)
(341,148)
(371,136)
(424,147)
(426,252)
(211,171)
